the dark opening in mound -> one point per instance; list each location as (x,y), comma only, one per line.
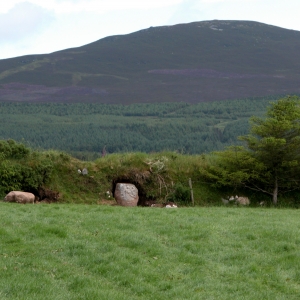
(143,199)
(47,195)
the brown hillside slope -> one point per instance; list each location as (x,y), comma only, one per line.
(201,61)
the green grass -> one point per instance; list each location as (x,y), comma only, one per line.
(108,252)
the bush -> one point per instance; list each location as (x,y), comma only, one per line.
(180,194)
(10,177)
(10,149)
(21,169)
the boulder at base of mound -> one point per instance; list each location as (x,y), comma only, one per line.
(19,197)
(126,194)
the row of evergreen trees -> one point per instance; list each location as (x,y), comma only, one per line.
(88,127)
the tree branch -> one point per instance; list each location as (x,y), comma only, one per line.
(258,189)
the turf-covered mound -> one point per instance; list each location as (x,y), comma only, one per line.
(54,176)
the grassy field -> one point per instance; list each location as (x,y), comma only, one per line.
(67,251)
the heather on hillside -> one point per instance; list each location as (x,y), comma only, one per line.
(196,62)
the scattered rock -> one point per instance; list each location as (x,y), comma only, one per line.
(242,200)
(20,197)
(171,205)
(236,200)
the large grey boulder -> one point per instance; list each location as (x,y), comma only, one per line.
(19,197)
(126,194)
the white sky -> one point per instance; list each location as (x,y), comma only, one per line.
(45,26)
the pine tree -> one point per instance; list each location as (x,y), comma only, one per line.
(275,143)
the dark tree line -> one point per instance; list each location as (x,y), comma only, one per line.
(88,127)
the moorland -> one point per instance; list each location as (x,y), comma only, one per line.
(196,62)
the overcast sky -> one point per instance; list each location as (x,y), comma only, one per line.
(45,26)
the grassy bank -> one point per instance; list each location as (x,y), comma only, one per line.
(158,176)
(65,251)
(161,176)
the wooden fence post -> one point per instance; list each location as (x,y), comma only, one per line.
(192,193)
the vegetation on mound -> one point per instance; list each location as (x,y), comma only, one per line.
(158,176)
(21,168)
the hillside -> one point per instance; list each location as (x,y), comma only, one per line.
(192,63)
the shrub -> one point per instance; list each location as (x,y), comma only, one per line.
(10,177)
(12,149)
(21,169)
(180,194)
